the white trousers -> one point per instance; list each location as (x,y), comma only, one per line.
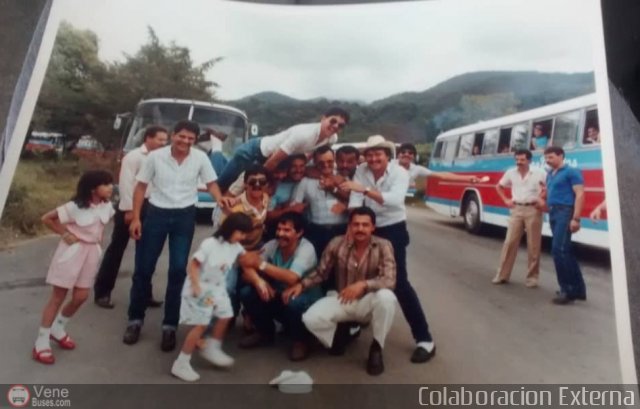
(378,307)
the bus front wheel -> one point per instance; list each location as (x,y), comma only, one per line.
(471,215)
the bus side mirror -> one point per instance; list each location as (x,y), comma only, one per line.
(117,123)
(253,130)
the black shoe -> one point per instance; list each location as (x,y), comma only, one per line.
(131,334)
(154,303)
(375,364)
(104,302)
(582,297)
(563,299)
(168,343)
(340,339)
(421,355)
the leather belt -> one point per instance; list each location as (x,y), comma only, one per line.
(524,204)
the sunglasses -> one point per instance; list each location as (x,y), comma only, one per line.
(257,182)
(334,121)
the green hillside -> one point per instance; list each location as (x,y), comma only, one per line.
(420,116)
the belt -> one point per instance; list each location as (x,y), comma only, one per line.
(524,204)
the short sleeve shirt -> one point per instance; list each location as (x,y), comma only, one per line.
(303,138)
(302,262)
(560,186)
(216,257)
(176,185)
(87,224)
(527,189)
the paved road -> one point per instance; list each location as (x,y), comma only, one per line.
(484,333)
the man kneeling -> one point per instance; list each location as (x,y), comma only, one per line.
(365,273)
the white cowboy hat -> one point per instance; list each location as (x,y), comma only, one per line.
(378,141)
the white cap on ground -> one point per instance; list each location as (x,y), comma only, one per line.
(293,382)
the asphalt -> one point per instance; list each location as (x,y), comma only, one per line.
(484,333)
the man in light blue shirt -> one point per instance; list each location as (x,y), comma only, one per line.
(284,262)
(326,214)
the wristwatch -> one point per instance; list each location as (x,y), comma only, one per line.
(262,265)
(366,191)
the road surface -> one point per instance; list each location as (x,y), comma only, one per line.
(484,333)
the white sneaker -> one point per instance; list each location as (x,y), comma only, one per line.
(184,371)
(216,356)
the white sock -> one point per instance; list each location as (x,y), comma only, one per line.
(184,358)
(214,343)
(57,329)
(42,342)
(428,346)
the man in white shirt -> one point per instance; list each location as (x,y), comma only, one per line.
(154,137)
(381,184)
(407,157)
(174,172)
(526,206)
(274,149)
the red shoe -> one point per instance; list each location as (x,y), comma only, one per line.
(44,357)
(65,342)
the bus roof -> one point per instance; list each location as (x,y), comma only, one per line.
(547,110)
(194,102)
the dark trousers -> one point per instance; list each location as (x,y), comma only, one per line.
(263,313)
(320,236)
(110,265)
(567,268)
(409,302)
(179,226)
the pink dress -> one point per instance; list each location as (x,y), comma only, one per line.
(76,265)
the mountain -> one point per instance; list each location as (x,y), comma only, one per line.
(268,97)
(420,116)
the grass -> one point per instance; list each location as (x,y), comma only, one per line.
(40,185)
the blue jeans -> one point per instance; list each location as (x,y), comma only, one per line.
(246,154)
(290,315)
(218,161)
(179,225)
(567,269)
(409,302)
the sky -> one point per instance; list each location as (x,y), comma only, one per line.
(360,52)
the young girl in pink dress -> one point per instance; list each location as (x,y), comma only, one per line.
(80,222)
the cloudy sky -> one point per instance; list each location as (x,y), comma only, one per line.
(356,52)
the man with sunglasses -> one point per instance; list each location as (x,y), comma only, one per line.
(253,202)
(271,150)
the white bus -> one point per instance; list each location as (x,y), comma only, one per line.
(486,148)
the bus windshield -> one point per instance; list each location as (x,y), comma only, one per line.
(167,114)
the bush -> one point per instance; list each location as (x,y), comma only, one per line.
(38,186)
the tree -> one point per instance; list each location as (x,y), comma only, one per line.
(160,71)
(82,94)
(72,94)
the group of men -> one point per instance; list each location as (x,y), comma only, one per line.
(350,217)
(329,249)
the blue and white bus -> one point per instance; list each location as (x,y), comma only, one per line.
(486,148)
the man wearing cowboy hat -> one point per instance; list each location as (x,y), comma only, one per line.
(381,184)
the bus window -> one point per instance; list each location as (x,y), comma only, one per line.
(504,141)
(519,136)
(591,134)
(450,149)
(490,142)
(477,144)
(540,134)
(565,131)
(437,152)
(466,146)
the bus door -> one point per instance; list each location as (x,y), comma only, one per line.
(449,151)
